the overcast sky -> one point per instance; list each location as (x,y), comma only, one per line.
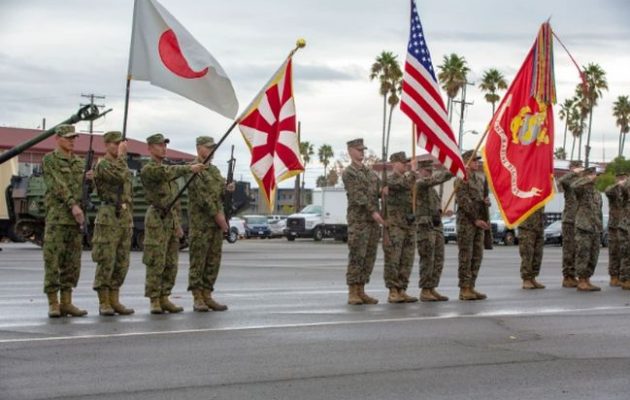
(53,51)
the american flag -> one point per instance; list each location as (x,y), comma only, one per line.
(421,101)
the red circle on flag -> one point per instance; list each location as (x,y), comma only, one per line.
(173,59)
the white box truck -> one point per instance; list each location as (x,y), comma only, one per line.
(325,218)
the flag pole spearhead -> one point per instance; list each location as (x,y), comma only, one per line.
(300,43)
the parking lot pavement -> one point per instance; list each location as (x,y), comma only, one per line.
(289,334)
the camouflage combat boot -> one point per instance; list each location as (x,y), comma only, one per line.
(438,295)
(353,295)
(67,308)
(53,305)
(466,294)
(199,304)
(614,281)
(211,303)
(480,296)
(406,297)
(584,285)
(104,308)
(537,285)
(427,295)
(528,284)
(394,296)
(117,305)
(166,305)
(156,307)
(569,282)
(364,297)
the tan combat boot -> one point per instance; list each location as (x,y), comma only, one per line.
(439,296)
(593,287)
(67,308)
(363,296)
(199,304)
(480,296)
(466,294)
(625,285)
(406,297)
(53,305)
(584,285)
(528,284)
(156,307)
(104,308)
(537,285)
(569,282)
(211,303)
(427,295)
(353,295)
(168,306)
(614,281)
(394,296)
(117,305)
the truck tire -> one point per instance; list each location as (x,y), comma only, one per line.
(318,234)
(291,238)
(509,239)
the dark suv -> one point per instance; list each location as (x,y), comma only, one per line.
(256,226)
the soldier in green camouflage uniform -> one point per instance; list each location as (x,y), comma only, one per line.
(429,231)
(63,176)
(362,190)
(207,228)
(399,249)
(162,229)
(113,226)
(531,239)
(588,228)
(470,227)
(616,198)
(568,225)
(624,236)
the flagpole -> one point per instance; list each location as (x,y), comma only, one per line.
(127,90)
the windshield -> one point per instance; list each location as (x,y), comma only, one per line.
(555,225)
(256,220)
(312,209)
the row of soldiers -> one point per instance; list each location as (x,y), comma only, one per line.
(113,226)
(410,225)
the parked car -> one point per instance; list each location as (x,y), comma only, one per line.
(256,226)
(450,229)
(553,233)
(275,218)
(278,227)
(237,229)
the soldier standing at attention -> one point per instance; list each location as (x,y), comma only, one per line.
(616,198)
(568,225)
(362,189)
(113,226)
(470,226)
(162,227)
(588,228)
(399,249)
(207,228)
(429,231)
(624,236)
(531,239)
(63,176)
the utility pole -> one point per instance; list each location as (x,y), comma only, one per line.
(463,105)
(92,96)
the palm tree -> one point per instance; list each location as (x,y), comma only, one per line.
(325,153)
(621,111)
(596,81)
(387,70)
(452,75)
(576,127)
(491,82)
(306,151)
(565,109)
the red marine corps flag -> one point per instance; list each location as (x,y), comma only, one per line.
(518,156)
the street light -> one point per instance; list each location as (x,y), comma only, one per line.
(461,137)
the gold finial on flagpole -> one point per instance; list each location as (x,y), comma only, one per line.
(300,43)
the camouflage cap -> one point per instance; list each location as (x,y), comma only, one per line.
(112,137)
(356,143)
(158,138)
(425,164)
(575,163)
(621,174)
(206,141)
(65,131)
(589,171)
(398,157)
(467,155)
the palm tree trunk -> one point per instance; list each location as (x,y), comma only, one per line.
(580,148)
(573,148)
(623,143)
(493,110)
(384,149)
(389,128)
(449,109)
(564,141)
(587,150)
(296,194)
(619,143)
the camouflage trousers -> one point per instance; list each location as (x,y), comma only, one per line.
(111,245)
(530,247)
(161,253)
(362,247)
(62,257)
(399,254)
(568,249)
(205,258)
(615,251)
(430,244)
(587,252)
(624,249)
(470,245)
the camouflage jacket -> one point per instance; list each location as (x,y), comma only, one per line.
(624,221)
(109,176)
(205,198)
(428,202)
(616,200)
(160,188)
(399,198)
(362,189)
(588,216)
(570,201)
(469,198)
(535,222)
(63,176)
